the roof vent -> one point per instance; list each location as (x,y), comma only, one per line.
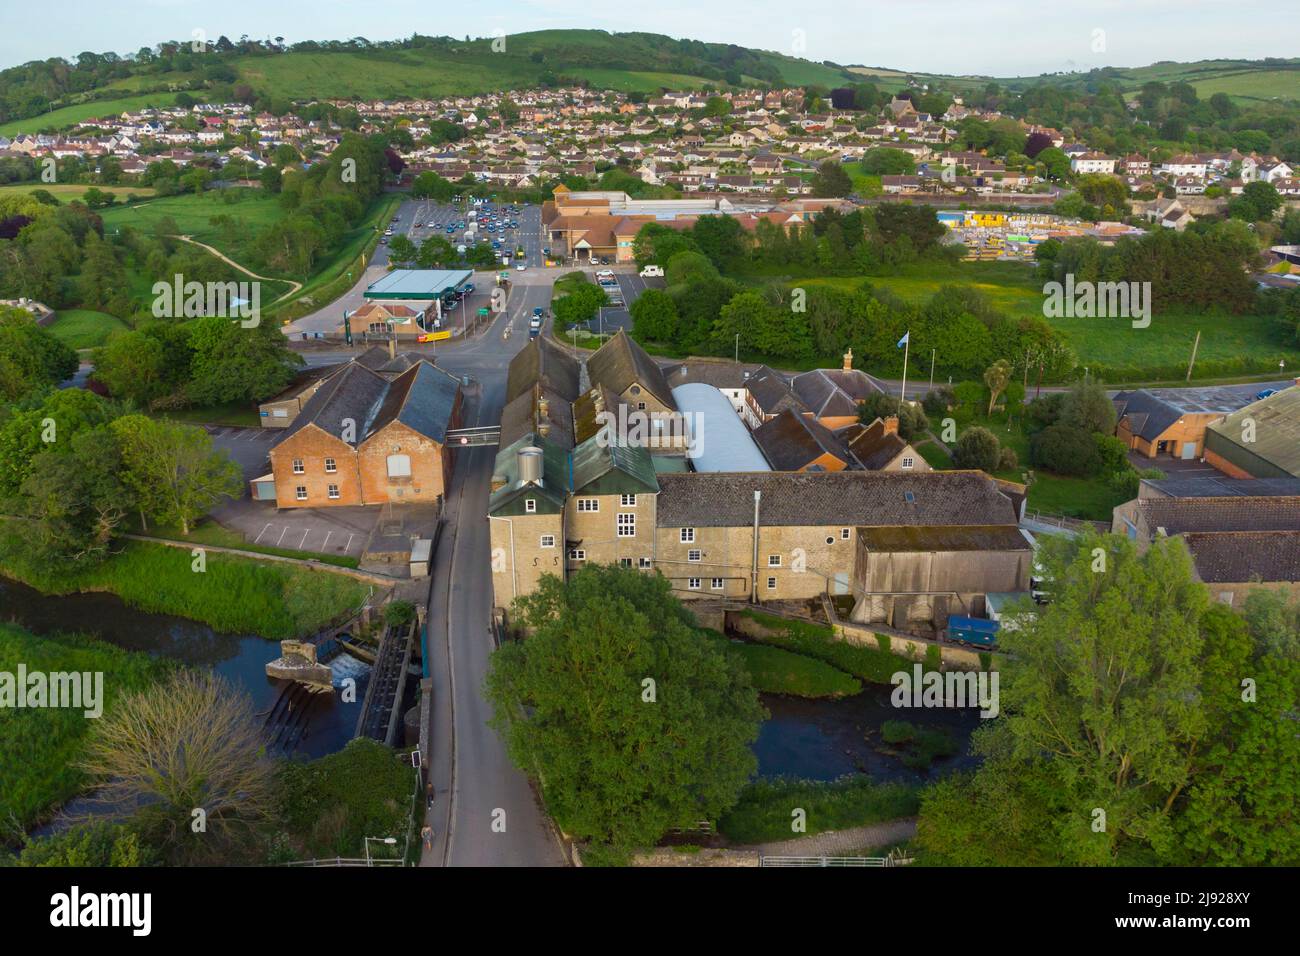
(530,465)
(909,497)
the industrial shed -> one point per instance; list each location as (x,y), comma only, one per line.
(720,440)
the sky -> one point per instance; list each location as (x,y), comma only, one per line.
(988,37)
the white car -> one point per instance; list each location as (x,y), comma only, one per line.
(652,272)
(521,267)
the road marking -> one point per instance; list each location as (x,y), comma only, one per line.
(348,547)
(282,534)
(260,533)
(304,538)
(327,540)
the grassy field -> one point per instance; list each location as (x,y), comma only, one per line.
(234,595)
(38,746)
(776,671)
(875,665)
(763,812)
(1012,288)
(67,191)
(85,328)
(254,209)
(92,109)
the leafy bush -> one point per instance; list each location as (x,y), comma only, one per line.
(1065,450)
(897,731)
(1008,460)
(763,810)
(911,417)
(937,402)
(977,448)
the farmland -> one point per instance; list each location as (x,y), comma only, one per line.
(72,115)
(69,191)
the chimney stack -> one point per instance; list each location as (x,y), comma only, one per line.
(891,425)
(392,345)
(848,360)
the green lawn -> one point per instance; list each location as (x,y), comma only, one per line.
(69,116)
(85,328)
(254,209)
(1122,353)
(234,414)
(776,671)
(234,595)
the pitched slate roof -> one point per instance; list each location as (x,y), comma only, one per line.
(1179,515)
(833,392)
(791,442)
(1149,416)
(773,395)
(353,393)
(872,445)
(621,363)
(523,415)
(541,360)
(1221,487)
(421,398)
(1239,557)
(841,498)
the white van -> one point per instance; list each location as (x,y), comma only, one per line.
(652,272)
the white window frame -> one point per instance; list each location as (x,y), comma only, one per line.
(771,584)
(687,535)
(298,468)
(547,541)
(333,492)
(530,506)
(695,554)
(645,563)
(773,560)
(908,463)
(588,504)
(692,584)
(844,534)
(331,466)
(300,492)
(626,525)
(716,584)
(627,501)
(577,554)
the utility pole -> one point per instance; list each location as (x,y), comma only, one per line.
(932,354)
(1195,346)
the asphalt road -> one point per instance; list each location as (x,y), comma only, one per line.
(485,812)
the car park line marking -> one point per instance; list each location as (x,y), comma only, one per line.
(327,540)
(282,534)
(348,547)
(304,538)
(260,533)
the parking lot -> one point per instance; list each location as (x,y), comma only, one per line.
(628,287)
(433,219)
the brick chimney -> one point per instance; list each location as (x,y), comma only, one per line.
(891,425)
(848,360)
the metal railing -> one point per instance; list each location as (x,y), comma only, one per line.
(347,861)
(819,861)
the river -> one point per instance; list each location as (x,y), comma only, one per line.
(239,658)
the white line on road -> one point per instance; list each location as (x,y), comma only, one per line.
(282,534)
(260,533)
(327,540)
(304,538)
(348,547)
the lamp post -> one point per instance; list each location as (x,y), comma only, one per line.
(737,348)
(389,841)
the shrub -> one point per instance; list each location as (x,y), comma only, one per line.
(1044,411)
(1007,460)
(937,402)
(1065,450)
(1112,454)
(970,394)
(896,731)
(911,417)
(399,613)
(977,448)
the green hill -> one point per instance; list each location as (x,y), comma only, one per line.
(36,96)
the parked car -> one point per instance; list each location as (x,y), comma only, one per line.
(1259,396)
(521,267)
(652,272)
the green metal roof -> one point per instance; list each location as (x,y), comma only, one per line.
(417,283)
(603,469)
(1275,451)
(508,500)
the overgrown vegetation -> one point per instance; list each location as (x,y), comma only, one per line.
(763,812)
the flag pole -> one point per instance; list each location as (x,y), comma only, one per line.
(907,346)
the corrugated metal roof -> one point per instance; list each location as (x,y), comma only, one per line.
(416,283)
(1276,421)
(719,439)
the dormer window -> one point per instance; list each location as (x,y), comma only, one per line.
(530,505)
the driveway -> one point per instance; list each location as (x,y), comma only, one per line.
(334,531)
(248,447)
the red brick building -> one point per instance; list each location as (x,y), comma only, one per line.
(363,439)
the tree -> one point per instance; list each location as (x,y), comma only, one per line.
(191,742)
(231,363)
(831,180)
(978,448)
(911,417)
(1103,696)
(631,719)
(76,495)
(133,365)
(1066,450)
(580,304)
(174,469)
(997,376)
(1086,406)
(887,162)
(654,317)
